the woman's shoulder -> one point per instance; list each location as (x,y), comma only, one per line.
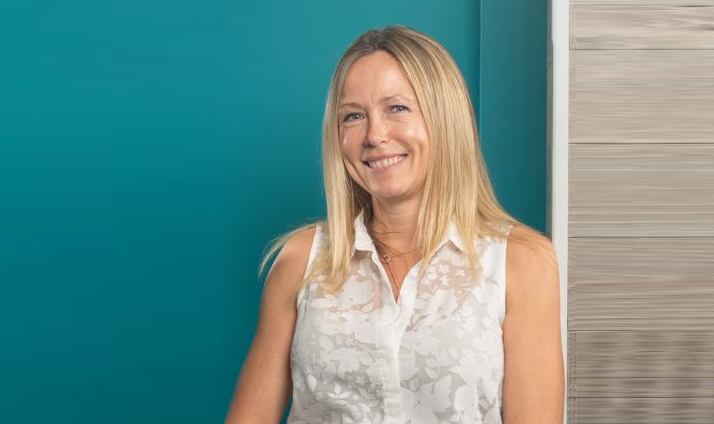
(522,236)
(300,240)
(291,262)
(531,263)
(296,250)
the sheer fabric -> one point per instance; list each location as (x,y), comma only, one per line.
(434,356)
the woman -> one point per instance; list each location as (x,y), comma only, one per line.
(384,313)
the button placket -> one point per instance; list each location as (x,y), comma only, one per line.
(390,307)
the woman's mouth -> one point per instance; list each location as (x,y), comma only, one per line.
(385,164)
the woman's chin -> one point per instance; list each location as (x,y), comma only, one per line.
(388,195)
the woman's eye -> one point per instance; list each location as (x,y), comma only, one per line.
(349,116)
(399,108)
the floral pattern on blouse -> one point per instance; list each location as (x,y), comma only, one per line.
(435,356)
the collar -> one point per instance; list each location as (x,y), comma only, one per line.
(364,242)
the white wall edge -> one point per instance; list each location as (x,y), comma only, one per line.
(559,85)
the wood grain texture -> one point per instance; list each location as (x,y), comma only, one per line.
(644,387)
(641,212)
(636,354)
(630,4)
(640,377)
(648,96)
(674,27)
(640,410)
(641,190)
(661,283)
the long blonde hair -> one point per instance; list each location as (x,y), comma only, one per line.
(457,184)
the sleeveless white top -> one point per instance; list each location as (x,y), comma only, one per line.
(434,356)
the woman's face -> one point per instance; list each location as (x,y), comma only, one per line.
(383,137)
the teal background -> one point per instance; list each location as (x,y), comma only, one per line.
(150,150)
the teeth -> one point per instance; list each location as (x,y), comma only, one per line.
(386,162)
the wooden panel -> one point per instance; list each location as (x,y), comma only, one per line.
(632,354)
(641,410)
(640,377)
(641,283)
(638,190)
(647,96)
(641,252)
(641,28)
(643,3)
(644,387)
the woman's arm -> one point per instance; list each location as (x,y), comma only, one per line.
(264,386)
(533,386)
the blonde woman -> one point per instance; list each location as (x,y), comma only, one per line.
(419,299)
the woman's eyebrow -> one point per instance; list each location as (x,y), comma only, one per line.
(395,97)
(350,104)
(384,99)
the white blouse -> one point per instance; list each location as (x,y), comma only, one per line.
(434,356)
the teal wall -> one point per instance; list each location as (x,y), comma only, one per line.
(512,88)
(150,150)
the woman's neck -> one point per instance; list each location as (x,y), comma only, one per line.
(394,226)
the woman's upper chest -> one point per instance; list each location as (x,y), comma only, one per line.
(449,295)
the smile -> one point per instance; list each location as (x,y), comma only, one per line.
(385,164)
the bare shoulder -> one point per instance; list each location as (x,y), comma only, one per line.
(264,385)
(533,384)
(531,265)
(291,262)
(296,251)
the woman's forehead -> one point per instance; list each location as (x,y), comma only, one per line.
(377,78)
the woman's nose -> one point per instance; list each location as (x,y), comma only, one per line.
(376,131)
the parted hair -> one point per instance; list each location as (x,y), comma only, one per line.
(457,184)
